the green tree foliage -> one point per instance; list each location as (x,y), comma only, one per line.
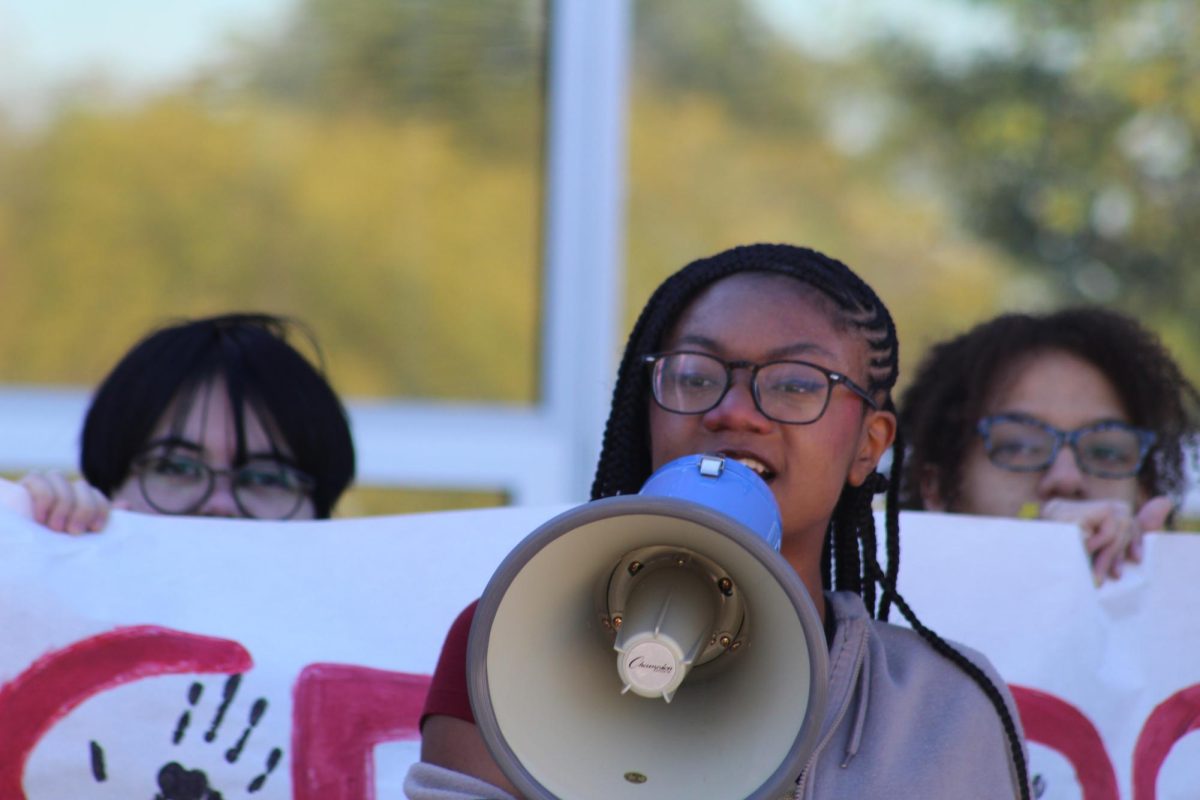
(724,51)
(1074,148)
(466,62)
(730,143)
(374,167)
(414,261)
(700,184)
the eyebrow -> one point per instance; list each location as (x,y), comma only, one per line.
(179,443)
(173,442)
(1025,416)
(797,349)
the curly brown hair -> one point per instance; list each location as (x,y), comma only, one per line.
(941,407)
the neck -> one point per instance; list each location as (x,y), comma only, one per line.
(801,557)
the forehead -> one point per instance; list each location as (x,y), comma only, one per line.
(1057,387)
(203,415)
(759,315)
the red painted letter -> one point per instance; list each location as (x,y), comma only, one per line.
(1174,718)
(339,714)
(1059,725)
(59,681)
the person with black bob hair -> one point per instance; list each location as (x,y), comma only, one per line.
(783,359)
(218,416)
(1077,415)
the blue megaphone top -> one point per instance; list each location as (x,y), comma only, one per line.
(724,485)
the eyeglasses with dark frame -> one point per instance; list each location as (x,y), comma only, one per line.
(1108,449)
(791,392)
(178,483)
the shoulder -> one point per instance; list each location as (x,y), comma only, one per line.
(461,627)
(913,685)
(454,649)
(448,694)
(901,655)
(910,659)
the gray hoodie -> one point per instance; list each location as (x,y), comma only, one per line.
(903,721)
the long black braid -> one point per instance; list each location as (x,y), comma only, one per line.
(849,560)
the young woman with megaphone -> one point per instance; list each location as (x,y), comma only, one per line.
(783,359)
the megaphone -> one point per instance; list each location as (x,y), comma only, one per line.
(652,646)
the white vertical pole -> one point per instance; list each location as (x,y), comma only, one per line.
(585,222)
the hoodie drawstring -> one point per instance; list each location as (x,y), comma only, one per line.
(860,718)
(852,631)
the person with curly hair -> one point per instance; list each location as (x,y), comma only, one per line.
(218,416)
(783,359)
(1079,415)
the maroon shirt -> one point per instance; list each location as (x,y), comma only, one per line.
(448,691)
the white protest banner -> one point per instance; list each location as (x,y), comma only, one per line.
(169,656)
(172,657)
(1107,680)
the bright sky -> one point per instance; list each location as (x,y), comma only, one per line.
(142,43)
(136,43)
(954,29)
(132,36)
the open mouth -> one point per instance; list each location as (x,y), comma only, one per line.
(760,469)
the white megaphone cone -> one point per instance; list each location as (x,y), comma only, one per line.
(685,582)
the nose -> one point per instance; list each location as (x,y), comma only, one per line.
(220,503)
(1062,478)
(737,410)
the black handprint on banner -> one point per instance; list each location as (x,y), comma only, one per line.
(176,781)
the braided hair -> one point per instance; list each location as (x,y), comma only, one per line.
(956,379)
(849,561)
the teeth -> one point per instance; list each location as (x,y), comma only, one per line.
(754,464)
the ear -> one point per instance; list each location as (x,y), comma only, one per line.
(877,434)
(932,498)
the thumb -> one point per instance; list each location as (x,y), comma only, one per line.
(1150,517)
(1153,515)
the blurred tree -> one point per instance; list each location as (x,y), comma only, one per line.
(414,262)
(734,139)
(373,167)
(462,61)
(725,51)
(1074,146)
(701,183)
